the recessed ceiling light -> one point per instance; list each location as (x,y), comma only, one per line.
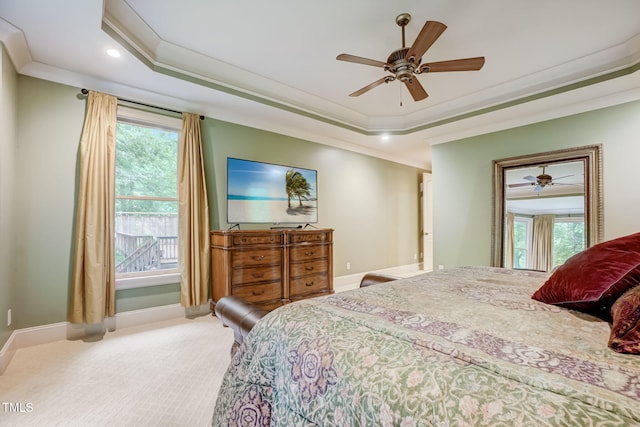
(113,53)
(384,137)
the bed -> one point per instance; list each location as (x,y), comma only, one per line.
(465,346)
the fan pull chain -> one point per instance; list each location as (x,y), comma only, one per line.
(400,88)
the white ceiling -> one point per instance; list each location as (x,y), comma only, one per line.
(272,65)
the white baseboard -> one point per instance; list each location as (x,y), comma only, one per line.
(7,352)
(27,337)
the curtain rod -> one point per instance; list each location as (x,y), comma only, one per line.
(86,91)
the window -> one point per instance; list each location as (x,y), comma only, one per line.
(146,199)
(568,238)
(522,241)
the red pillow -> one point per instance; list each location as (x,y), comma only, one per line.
(625,326)
(594,278)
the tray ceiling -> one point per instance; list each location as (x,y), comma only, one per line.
(272,65)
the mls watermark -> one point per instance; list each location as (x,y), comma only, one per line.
(17,407)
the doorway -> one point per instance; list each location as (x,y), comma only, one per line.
(427,222)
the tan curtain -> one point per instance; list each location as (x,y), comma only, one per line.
(193,215)
(509,240)
(93,287)
(543,242)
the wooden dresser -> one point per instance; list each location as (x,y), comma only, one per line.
(271,267)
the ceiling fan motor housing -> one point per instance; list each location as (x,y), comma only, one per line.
(402,68)
(544,179)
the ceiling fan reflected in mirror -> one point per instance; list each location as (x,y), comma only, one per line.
(406,63)
(540,181)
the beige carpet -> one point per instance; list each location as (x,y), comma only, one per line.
(163,374)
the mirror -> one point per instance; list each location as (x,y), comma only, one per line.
(539,195)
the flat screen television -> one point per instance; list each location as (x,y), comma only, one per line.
(259,192)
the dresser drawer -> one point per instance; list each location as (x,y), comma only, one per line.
(309,237)
(309,284)
(258,293)
(308,252)
(257,239)
(306,268)
(241,276)
(247,258)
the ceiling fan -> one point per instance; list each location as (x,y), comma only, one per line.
(405,63)
(540,181)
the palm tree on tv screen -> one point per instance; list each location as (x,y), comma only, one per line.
(297,186)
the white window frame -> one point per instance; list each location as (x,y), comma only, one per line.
(569,218)
(529,238)
(146,118)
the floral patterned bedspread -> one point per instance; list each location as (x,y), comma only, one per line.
(465,346)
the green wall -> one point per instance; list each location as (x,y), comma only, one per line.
(8,143)
(50,118)
(371,203)
(462,177)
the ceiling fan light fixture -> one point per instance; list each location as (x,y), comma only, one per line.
(404,74)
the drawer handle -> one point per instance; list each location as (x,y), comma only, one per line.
(308,253)
(257,257)
(309,283)
(309,268)
(257,275)
(256,293)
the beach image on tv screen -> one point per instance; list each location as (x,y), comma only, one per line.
(260,192)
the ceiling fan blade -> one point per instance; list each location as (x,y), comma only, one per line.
(466,64)
(561,177)
(360,60)
(427,36)
(416,90)
(530,178)
(524,184)
(385,79)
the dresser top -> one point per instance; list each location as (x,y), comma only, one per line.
(271,237)
(274,231)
